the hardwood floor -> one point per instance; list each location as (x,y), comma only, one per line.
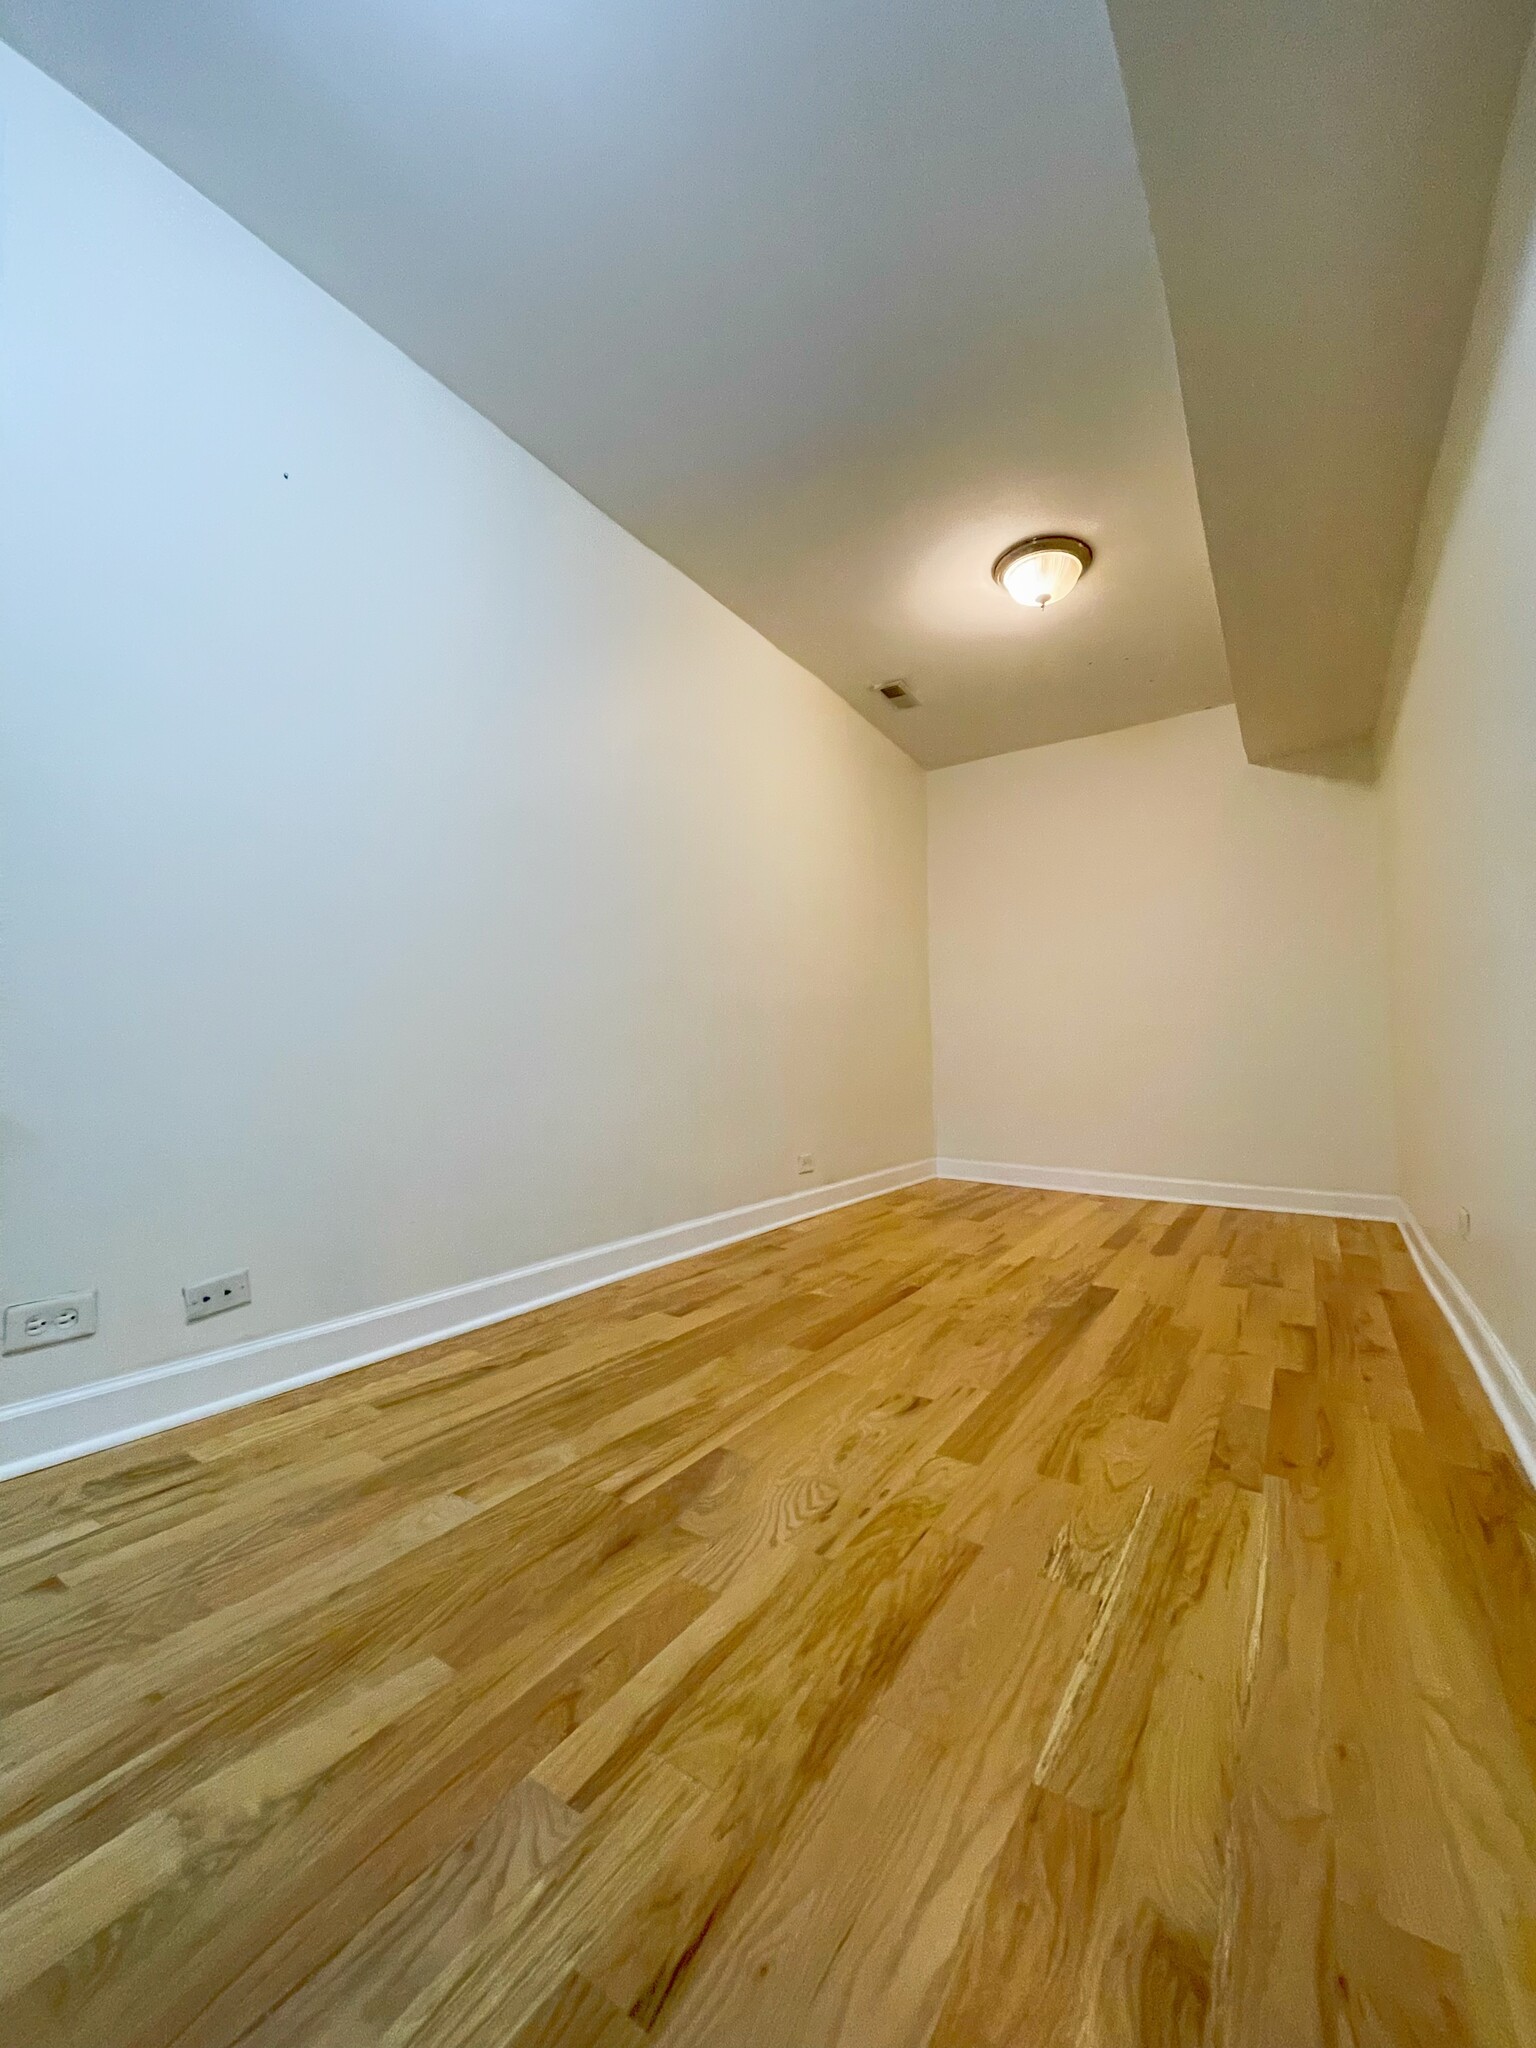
(975,1618)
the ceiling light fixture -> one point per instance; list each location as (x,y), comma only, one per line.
(1038,572)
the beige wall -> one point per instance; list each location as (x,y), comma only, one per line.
(404,874)
(1460,803)
(1149,957)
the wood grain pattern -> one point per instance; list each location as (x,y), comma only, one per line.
(978,1618)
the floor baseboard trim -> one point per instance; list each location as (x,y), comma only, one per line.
(1505,1385)
(50,1429)
(1216,1194)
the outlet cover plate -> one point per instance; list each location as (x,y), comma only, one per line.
(212,1297)
(29,1325)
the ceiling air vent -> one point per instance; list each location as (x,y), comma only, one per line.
(898,694)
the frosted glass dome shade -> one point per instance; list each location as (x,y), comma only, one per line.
(1042,571)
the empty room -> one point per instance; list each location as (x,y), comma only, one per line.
(767,1024)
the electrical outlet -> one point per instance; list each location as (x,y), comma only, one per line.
(31,1324)
(1463,1222)
(805,1162)
(213,1297)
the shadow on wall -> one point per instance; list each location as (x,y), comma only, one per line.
(1514,218)
(1504,269)
(1354,761)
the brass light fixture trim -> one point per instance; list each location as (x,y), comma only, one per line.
(1005,569)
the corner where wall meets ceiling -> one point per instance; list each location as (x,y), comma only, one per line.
(830,305)
(1319,177)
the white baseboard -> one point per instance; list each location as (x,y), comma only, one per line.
(1506,1386)
(51,1428)
(1216,1194)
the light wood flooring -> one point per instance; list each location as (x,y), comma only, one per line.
(974,1618)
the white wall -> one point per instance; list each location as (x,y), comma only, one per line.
(1149,957)
(404,875)
(1460,789)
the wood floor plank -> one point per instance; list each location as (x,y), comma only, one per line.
(406,1946)
(975,1618)
(980,1432)
(1271,1977)
(1150,1956)
(503,1978)
(763,1732)
(821,1947)
(577,2016)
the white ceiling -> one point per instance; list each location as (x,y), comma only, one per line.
(830,300)
(827,302)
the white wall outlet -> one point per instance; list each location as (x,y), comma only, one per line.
(212,1297)
(31,1324)
(1463,1222)
(805,1162)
